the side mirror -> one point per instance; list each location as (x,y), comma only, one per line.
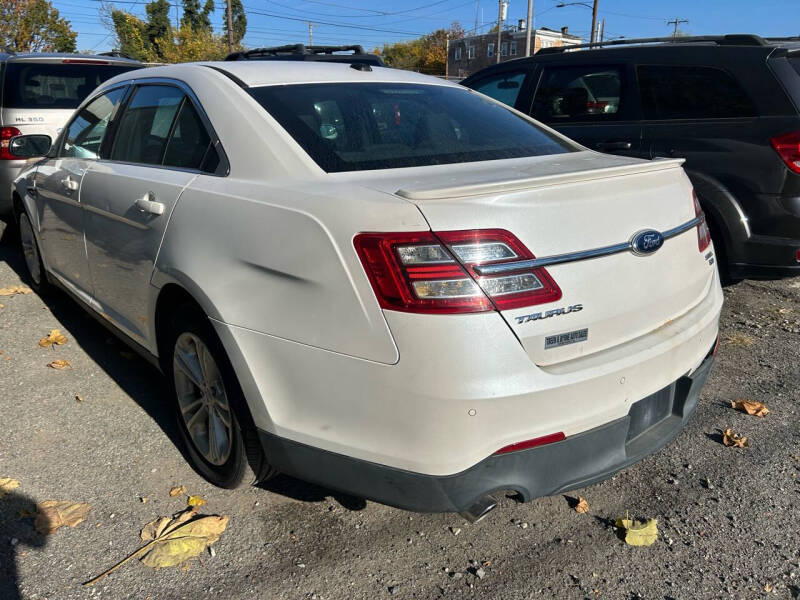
(29,146)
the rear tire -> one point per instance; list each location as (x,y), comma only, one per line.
(211,412)
(35,275)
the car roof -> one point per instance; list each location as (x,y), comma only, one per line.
(56,57)
(258,73)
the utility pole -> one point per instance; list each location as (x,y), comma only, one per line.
(230,28)
(602,31)
(446,55)
(310,33)
(676,21)
(500,17)
(528,28)
(594,22)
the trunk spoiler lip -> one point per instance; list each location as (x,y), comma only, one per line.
(522,183)
(558,259)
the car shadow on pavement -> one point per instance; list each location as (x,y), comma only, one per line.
(145,384)
(17,535)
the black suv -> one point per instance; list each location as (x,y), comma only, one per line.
(345,54)
(729,105)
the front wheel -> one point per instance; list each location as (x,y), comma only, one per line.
(212,415)
(33,258)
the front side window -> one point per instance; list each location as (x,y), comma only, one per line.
(189,144)
(385,126)
(578,94)
(86,132)
(504,87)
(54,85)
(145,125)
(683,92)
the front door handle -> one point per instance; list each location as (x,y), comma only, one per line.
(148,204)
(613,145)
(69,183)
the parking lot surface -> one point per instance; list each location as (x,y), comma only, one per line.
(728,518)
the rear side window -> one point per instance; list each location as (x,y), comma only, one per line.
(146,125)
(684,92)
(86,132)
(361,126)
(190,142)
(590,93)
(53,85)
(504,87)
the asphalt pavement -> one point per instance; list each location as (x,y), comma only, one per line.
(728,518)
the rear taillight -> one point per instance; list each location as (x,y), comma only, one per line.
(788,148)
(429,272)
(6,133)
(703,233)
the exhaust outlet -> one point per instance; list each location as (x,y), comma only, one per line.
(480,509)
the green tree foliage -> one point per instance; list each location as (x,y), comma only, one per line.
(191,45)
(239,20)
(427,54)
(132,36)
(195,17)
(34,26)
(158,26)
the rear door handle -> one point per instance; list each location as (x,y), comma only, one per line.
(148,204)
(69,183)
(613,145)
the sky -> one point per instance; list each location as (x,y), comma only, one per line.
(372,23)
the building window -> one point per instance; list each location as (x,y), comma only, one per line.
(504,49)
(458,52)
(513,48)
(490,50)
(471,52)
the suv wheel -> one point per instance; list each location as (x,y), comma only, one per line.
(212,416)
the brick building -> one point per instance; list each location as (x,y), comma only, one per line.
(473,53)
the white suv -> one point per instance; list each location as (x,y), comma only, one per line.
(334,266)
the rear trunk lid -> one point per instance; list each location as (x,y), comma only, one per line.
(570,203)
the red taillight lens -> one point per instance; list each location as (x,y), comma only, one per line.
(788,148)
(703,233)
(429,272)
(540,441)
(6,133)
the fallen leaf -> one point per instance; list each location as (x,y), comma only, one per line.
(177,490)
(143,499)
(2,305)
(7,485)
(582,506)
(173,541)
(196,501)
(51,515)
(768,587)
(729,438)
(78,398)
(59,364)
(750,407)
(639,533)
(24,513)
(54,337)
(15,289)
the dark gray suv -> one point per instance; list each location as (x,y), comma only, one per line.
(729,105)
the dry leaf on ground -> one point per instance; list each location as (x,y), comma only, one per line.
(582,506)
(15,289)
(78,398)
(51,515)
(7,485)
(196,501)
(729,438)
(639,533)
(178,490)
(54,337)
(750,407)
(173,541)
(59,364)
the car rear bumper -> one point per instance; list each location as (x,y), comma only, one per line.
(577,461)
(766,257)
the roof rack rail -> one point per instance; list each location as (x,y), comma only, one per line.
(294,49)
(116,54)
(738,39)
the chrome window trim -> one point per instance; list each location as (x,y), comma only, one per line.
(558,259)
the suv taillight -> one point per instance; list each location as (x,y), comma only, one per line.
(6,133)
(788,148)
(428,272)
(703,233)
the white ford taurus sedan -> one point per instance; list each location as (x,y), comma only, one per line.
(378,281)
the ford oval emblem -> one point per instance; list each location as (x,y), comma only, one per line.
(646,242)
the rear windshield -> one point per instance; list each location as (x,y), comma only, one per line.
(363,126)
(53,85)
